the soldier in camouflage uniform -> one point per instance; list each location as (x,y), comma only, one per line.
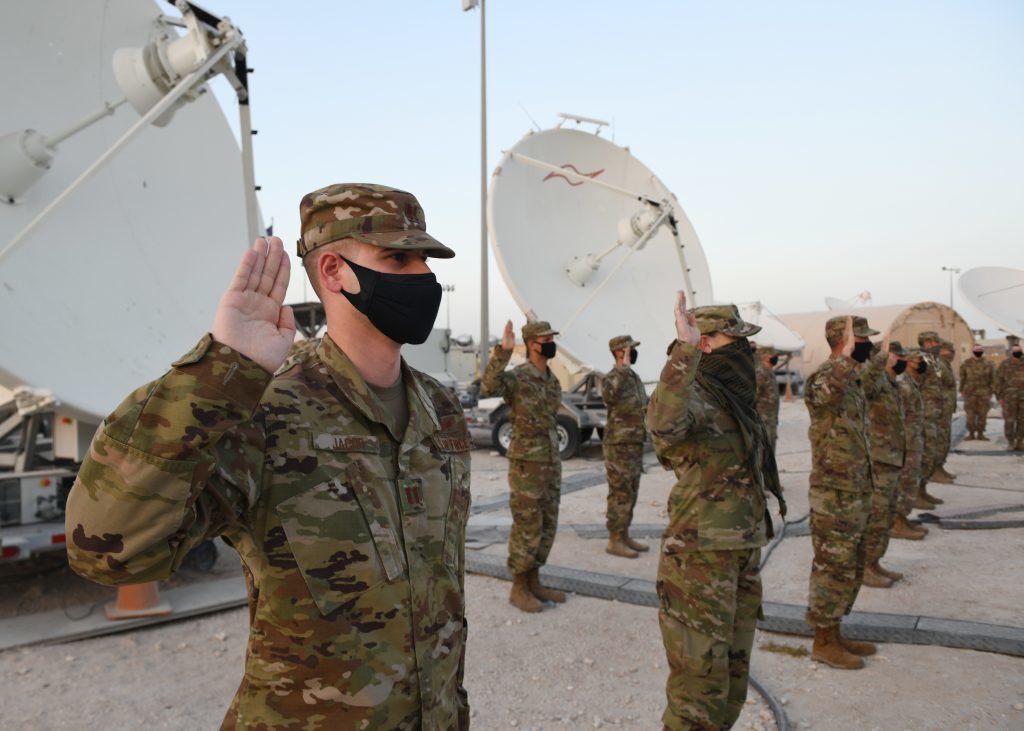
(1010,392)
(946,354)
(534,396)
(623,444)
(342,481)
(840,489)
(704,424)
(887,436)
(977,384)
(767,391)
(932,399)
(910,473)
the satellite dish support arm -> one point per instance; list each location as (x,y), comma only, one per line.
(183,87)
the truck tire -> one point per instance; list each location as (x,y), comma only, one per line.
(501,434)
(568,437)
(201,558)
(586,433)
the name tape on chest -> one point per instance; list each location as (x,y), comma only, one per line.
(347,443)
(452,444)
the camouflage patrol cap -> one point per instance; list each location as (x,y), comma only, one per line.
(836,326)
(913,352)
(896,348)
(622,341)
(724,319)
(537,329)
(765,350)
(946,345)
(927,335)
(371,214)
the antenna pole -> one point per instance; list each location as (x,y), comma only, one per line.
(485,336)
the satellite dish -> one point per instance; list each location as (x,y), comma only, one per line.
(774,332)
(104,290)
(838,305)
(587,237)
(997,293)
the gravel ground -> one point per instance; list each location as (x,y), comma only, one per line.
(589,663)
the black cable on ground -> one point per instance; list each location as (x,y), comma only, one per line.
(781,721)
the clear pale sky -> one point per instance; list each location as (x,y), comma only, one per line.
(820,148)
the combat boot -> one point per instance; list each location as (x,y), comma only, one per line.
(521,596)
(875,580)
(617,547)
(888,573)
(982,437)
(930,498)
(901,528)
(1020,445)
(941,476)
(970,437)
(827,649)
(856,647)
(539,590)
(920,503)
(635,545)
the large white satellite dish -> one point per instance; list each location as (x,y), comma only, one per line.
(774,333)
(587,237)
(997,293)
(103,291)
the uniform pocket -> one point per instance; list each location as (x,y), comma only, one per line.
(333,545)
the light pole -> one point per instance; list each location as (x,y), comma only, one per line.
(951,271)
(485,335)
(449,288)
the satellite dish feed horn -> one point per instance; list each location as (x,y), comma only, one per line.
(158,113)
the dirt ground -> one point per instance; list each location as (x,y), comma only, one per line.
(591,663)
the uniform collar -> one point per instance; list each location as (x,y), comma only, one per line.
(350,381)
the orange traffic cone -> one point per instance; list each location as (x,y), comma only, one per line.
(137,600)
(789,390)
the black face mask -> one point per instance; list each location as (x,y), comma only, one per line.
(548,350)
(901,365)
(774,360)
(861,351)
(978,355)
(922,368)
(1018,354)
(632,356)
(402,306)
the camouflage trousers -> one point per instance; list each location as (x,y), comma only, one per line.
(976,405)
(709,605)
(945,437)
(909,482)
(773,433)
(883,512)
(930,454)
(838,519)
(623,464)
(1013,416)
(535,490)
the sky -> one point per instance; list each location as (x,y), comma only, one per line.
(820,148)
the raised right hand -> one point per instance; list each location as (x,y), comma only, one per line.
(686,323)
(508,338)
(251,316)
(848,339)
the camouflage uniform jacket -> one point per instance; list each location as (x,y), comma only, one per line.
(351,536)
(718,501)
(977,377)
(840,455)
(1010,378)
(767,393)
(888,432)
(913,412)
(931,389)
(948,388)
(625,398)
(533,399)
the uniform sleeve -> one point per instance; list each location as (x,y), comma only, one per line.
(963,374)
(998,385)
(495,381)
(676,410)
(176,463)
(827,392)
(872,375)
(610,386)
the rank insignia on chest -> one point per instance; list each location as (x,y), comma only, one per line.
(410,492)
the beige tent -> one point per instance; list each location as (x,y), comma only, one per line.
(903,321)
